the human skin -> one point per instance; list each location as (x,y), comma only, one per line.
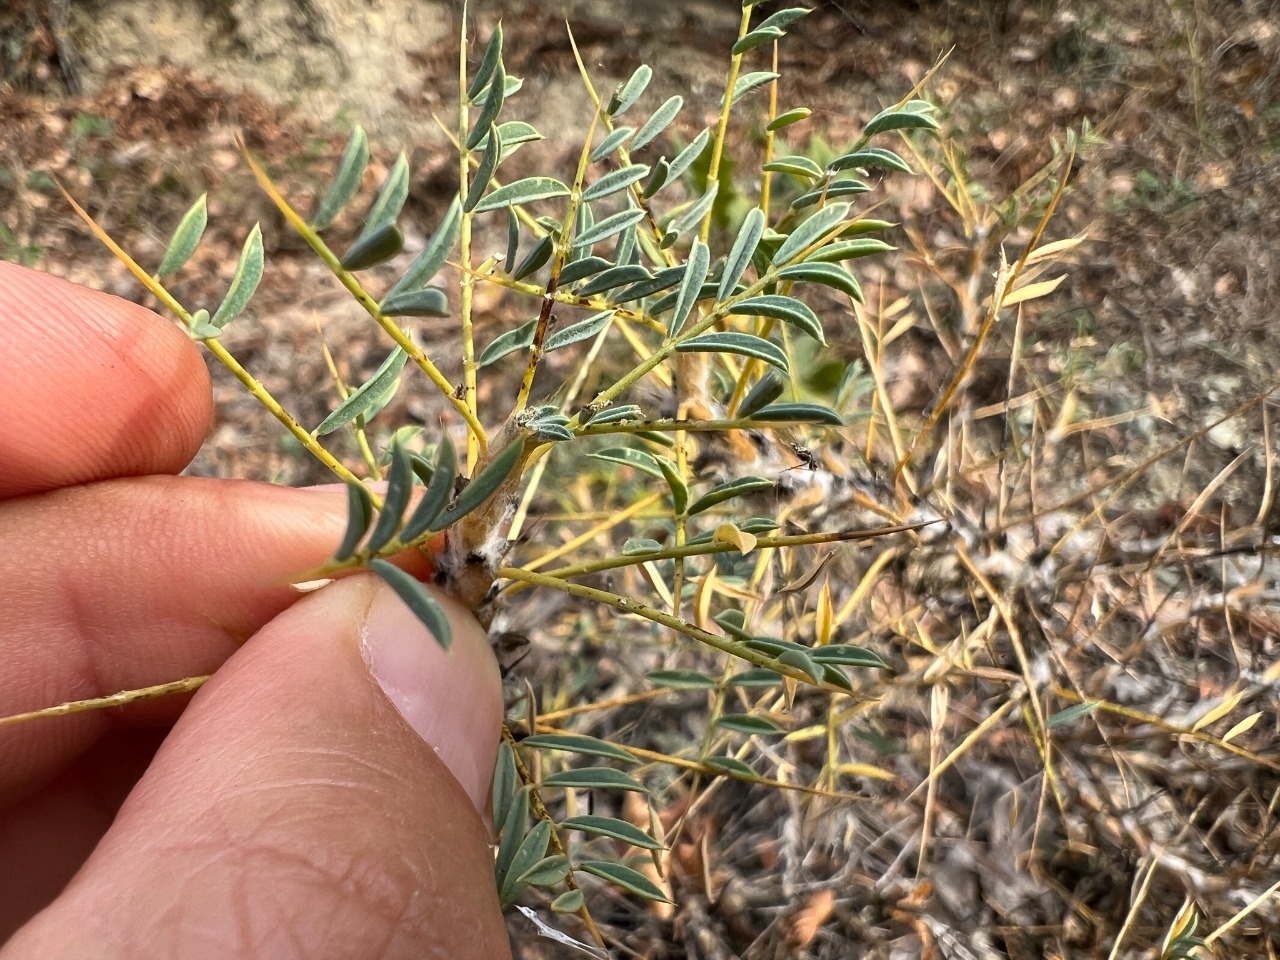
(321,795)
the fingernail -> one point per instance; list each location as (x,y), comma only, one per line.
(453,699)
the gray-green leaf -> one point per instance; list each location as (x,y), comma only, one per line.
(428,263)
(727,491)
(615,182)
(742,344)
(372,392)
(415,596)
(395,501)
(629,92)
(690,287)
(744,245)
(661,119)
(483,485)
(811,231)
(427,302)
(582,330)
(186,237)
(523,191)
(437,494)
(611,827)
(606,228)
(750,82)
(795,312)
(355,158)
(359,516)
(509,342)
(578,743)
(245,281)
(610,143)
(594,778)
(625,877)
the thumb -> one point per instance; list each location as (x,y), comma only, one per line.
(319,798)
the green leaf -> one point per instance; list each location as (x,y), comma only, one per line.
(428,263)
(594,778)
(606,228)
(509,342)
(821,224)
(788,309)
(488,64)
(743,344)
(483,485)
(870,158)
(630,880)
(370,394)
(577,743)
(797,413)
(901,119)
(684,159)
(745,723)
(531,850)
(486,121)
(581,269)
(658,179)
(513,829)
(848,654)
(427,302)
(664,278)
(830,191)
(833,675)
(784,18)
(535,259)
(690,286)
(731,766)
(571,901)
(727,491)
(484,171)
(514,133)
(614,277)
(583,221)
(802,661)
(615,182)
(582,330)
(757,38)
(388,203)
(415,596)
(749,82)
(522,191)
(611,827)
(638,545)
(849,249)
(201,328)
(766,390)
(610,143)
(644,462)
(625,96)
(679,489)
(359,516)
(794,115)
(797,166)
(186,237)
(680,679)
(245,281)
(506,781)
(355,158)
(627,411)
(733,622)
(372,249)
(744,245)
(759,677)
(437,494)
(692,217)
(395,501)
(1073,713)
(545,873)
(661,119)
(828,274)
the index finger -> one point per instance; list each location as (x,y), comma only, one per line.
(92,387)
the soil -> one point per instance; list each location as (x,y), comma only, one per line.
(1079,560)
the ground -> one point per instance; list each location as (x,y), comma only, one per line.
(1107,469)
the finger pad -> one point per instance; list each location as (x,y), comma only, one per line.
(96,387)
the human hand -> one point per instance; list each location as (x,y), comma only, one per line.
(290,810)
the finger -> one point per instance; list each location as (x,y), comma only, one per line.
(93,386)
(135,582)
(319,798)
